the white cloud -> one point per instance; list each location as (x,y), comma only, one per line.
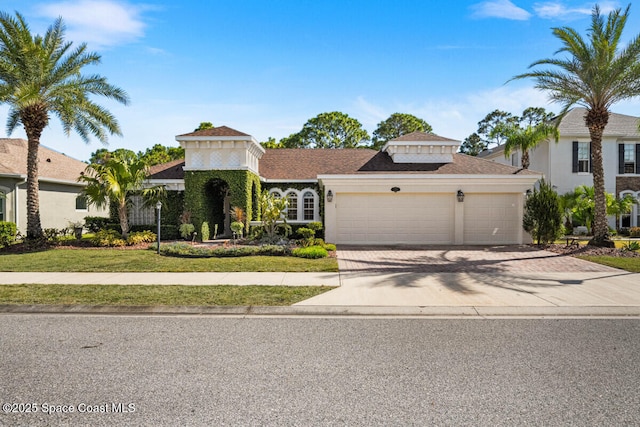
(98,22)
(458,118)
(499,9)
(558,10)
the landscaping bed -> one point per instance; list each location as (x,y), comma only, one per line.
(586,250)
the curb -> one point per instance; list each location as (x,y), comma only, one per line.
(331,311)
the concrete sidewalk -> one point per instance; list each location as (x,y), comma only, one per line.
(124,278)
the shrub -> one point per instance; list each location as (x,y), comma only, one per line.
(139,237)
(315,226)
(631,246)
(542,214)
(8,231)
(186,250)
(329,247)
(187,230)
(95,223)
(312,252)
(108,238)
(634,232)
(307,236)
(237,227)
(204,231)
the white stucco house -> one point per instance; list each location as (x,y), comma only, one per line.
(61,201)
(416,190)
(567,163)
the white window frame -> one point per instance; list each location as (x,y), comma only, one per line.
(629,158)
(299,211)
(86,203)
(634,220)
(583,147)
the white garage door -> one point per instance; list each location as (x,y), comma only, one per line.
(491,219)
(395,218)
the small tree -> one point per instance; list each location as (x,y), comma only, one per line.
(272,209)
(542,214)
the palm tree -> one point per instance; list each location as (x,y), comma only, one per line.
(596,74)
(527,138)
(40,76)
(116,180)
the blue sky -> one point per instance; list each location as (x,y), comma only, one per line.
(266,67)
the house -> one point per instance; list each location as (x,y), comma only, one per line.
(567,163)
(61,201)
(416,190)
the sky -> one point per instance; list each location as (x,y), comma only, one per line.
(266,67)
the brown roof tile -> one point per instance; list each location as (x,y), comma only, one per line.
(305,163)
(51,164)
(423,136)
(171,170)
(291,164)
(219,131)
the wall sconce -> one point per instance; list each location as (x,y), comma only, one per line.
(529,193)
(395,189)
(329,196)
(460,196)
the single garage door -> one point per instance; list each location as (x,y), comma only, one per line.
(491,219)
(415,218)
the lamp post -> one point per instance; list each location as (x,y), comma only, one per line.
(159,207)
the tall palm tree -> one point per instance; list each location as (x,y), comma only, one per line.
(116,180)
(40,76)
(524,139)
(596,74)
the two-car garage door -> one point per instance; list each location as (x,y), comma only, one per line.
(425,218)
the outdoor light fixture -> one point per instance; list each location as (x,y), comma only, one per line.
(460,196)
(159,207)
(395,189)
(529,193)
(329,196)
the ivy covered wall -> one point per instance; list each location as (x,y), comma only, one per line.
(244,187)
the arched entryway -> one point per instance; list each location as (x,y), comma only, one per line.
(218,206)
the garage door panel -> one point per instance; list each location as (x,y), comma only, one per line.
(491,219)
(394,218)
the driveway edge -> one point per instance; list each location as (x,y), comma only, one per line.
(339,311)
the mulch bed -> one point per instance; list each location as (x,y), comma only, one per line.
(585,250)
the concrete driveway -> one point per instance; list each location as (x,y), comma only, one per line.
(475,276)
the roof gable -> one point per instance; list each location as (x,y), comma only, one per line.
(217,131)
(51,164)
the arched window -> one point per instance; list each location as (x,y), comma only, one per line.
(308,202)
(292,209)
(276,194)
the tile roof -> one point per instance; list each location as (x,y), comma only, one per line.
(423,136)
(51,164)
(301,163)
(619,125)
(171,170)
(218,131)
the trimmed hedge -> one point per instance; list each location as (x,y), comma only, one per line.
(188,251)
(8,231)
(311,252)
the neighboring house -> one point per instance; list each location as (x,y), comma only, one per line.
(60,196)
(416,190)
(567,163)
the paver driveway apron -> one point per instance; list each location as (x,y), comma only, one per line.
(475,276)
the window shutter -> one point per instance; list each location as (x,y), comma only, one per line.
(620,159)
(638,159)
(575,157)
(590,156)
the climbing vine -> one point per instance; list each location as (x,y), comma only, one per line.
(244,187)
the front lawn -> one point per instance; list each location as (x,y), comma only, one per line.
(171,295)
(629,264)
(133,260)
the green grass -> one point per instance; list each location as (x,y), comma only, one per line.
(139,295)
(629,264)
(116,260)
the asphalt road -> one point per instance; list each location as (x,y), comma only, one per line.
(113,370)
